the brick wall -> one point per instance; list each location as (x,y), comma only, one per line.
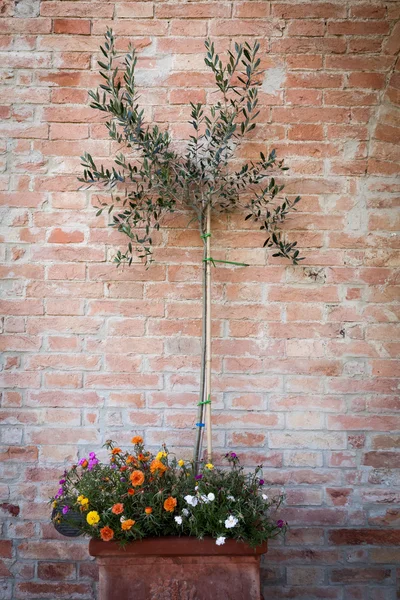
(305,358)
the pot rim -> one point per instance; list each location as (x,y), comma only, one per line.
(174,546)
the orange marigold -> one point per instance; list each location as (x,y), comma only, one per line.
(143,457)
(148,510)
(131,491)
(137,478)
(127,524)
(116,451)
(157,467)
(106,533)
(170,503)
(130,459)
(118,508)
(137,440)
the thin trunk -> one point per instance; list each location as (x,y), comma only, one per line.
(208,335)
(202,398)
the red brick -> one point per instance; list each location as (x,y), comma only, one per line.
(350,575)
(138,10)
(56,570)
(251,10)
(6,548)
(74,26)
(30,590)
(385,460)
(368,11)
(351,537)
(352,27)
(306,132)
(324,10)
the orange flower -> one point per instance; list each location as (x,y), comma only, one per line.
(131,491)
(170,503)
(118,508)
(137,478)
(84,464)
(143,457)
(116,451)
(127,524)
(148,510)
(130,459)
(106,533)
(157,466)
(137,440)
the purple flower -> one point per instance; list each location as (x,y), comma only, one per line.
(92,455)
(122,479)
(62,481)
(113,467)
(92,463)
(65,509)
(59,493)
(199,477)
(233,455)
(261,482)
(280,523)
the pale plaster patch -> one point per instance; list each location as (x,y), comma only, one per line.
(273,80)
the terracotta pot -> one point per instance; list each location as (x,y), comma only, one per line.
(178,568)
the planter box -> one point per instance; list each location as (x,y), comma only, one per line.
(178,568)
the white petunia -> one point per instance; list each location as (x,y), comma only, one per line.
(178,520)
(264,497)
(185,512)
(230,522)
(211,496)
(192,500)
(220,540)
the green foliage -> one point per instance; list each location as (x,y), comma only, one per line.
(163,496)
(151,179)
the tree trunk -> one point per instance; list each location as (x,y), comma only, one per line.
(204,406)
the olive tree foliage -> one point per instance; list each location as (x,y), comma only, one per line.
(151,179)
(160,180)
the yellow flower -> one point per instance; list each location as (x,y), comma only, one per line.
(80,498)
(209,466)
(54,504)
(93,517)
(83,501)
(161,455)
(181,463)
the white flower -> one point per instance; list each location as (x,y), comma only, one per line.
(231,521)
(211,496)
(178,520)
(220,540)
(264,497)
(192,500)
(185,512)
(231,498)
(204,499)
(122,519)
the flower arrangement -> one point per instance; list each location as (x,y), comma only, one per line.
(139,494)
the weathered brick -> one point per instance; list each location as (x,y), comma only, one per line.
(305,358)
